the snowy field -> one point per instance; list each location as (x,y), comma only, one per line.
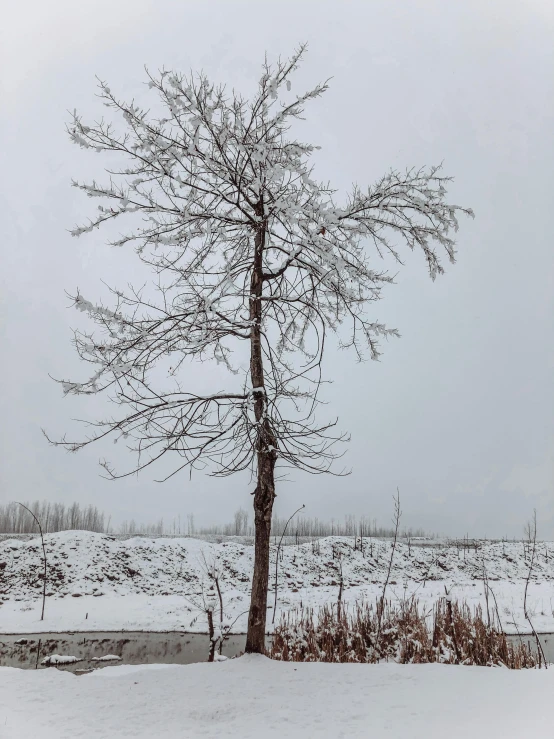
(253,697)
(98,583)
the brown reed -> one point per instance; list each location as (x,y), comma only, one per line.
(450,633)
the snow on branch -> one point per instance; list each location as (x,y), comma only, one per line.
(247,249)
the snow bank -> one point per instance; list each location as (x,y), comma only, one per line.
(253,697)
(89,573)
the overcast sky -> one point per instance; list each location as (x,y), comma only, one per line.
(459,412)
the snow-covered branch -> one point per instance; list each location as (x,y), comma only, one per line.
(249,252)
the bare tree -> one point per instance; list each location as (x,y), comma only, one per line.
(277,558)
(241,522)
(44,560)
(531,536)
(381,602)
(338,556)
(206,602)
(248,250)
(213,571)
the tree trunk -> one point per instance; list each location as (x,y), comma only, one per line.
(266,445)
(211,635)
(263,505)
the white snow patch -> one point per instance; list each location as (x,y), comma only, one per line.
(59,659)
(253,697)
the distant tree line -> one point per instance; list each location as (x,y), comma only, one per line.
(350,525)
(14,519)
(145,529)
(304,526)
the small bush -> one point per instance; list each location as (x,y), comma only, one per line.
(403,633)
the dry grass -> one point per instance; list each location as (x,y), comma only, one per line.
(450,634)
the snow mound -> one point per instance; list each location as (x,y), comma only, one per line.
(160,577)
(86,563)
(59,659)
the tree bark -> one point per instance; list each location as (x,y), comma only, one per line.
(211,635)
(266,445)
(263,505)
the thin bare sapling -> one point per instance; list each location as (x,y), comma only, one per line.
(381,602)
(44,560)
(210,602)
(277,558)
(338,557)
(531,536)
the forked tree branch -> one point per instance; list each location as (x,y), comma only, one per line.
(216,192)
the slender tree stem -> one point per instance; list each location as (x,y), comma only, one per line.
(266,454)
(277,559)
(381,604)
(44,559)
(532,542)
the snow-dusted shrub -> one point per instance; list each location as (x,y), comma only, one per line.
(451,634)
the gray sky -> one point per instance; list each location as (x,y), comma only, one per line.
(459,412)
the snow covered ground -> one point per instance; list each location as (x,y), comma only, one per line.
(98,583)
(253,697)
